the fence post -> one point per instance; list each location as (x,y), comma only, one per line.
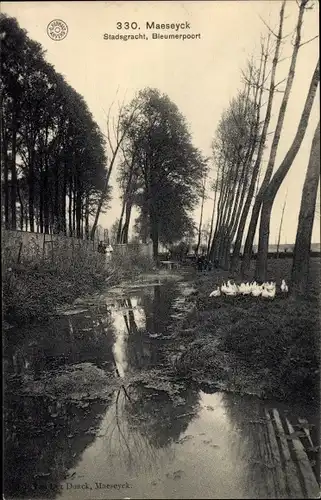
(19,253)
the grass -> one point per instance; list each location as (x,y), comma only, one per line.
(33,289)
(254,345)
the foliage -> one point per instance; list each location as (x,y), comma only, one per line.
(32,290)
(179,251)
(167,168)
(131,262)
(174,224)
(53,151)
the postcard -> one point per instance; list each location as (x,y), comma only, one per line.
(160,174)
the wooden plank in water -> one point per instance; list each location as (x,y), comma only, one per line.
(280,486)
(293,485)
(304,464)
(269,466)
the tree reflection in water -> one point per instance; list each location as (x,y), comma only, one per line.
(146,317)
(146,421)
(45,438)
(46,435)
(127,446)
(143,423)
(159,307)
(85,337)
(165,417)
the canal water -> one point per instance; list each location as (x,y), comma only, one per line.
(92,412)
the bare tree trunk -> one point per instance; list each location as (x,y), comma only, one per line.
(101,200)
(87,217)
(56,208)
(46,198)
(78,213)
(21,207)
(271,191)
(127,198)
(31,195)
(224,245)
(120,223)
(220,207)
(248,247)
(82,222)
(13,196)
(276,138)
(41,200)
(145,222)
(220,228)
(301,257)
(154,236)
(240,195)
(74,194)
(4,155)
(212,218)
(63,200)
(280,228)
(154,230)
(244,162)
(201,218)
(124,233)
(119,140)
(70,207)
(242,218)
(6,194)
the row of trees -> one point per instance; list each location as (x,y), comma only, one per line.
(158,157)
(53,153)
(55,169)
(240,197)
(56,173)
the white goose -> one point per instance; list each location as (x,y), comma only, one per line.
(270,286)
(245,288)
(229,289)
(268,290)
(284,287)
(216,293)
(257,290)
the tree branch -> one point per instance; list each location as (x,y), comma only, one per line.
(308,41)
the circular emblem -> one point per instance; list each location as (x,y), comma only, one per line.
(57,30)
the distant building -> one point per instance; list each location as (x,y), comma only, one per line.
(288,247)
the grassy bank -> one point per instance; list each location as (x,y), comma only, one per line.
(254,345)
(33,289)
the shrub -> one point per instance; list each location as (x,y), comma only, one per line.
(131,262)
(34,288)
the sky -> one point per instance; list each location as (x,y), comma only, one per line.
(200,75)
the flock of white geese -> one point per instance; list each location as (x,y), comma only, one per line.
(266,290)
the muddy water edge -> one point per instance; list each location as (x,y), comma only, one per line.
(94,409)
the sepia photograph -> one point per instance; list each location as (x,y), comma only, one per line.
(160,249)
